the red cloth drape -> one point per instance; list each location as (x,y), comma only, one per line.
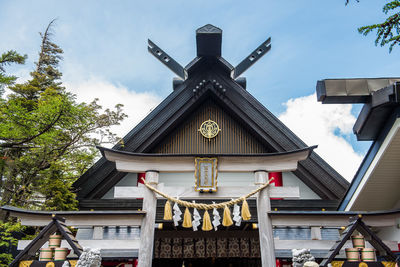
(277,179)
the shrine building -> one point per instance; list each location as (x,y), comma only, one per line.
(211,177)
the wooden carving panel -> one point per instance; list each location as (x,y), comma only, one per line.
(233,137)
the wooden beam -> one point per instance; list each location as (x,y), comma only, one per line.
(148,222)
(246,63)
(331,220)
(321,244)
(267,247)
(281,162)
(83,220)
(99,243)
(225,192)
(279,244)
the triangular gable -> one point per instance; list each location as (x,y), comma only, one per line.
(209,79)
(314,172)
(233,137)
(56,224)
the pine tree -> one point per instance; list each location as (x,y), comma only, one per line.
(387,32)
(9,58)
(47,139)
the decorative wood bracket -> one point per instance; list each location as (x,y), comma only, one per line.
(167,60)
(252,58)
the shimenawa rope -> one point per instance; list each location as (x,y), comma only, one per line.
(206,206)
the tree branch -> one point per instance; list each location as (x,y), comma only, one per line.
(47,128)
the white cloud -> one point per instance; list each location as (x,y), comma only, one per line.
(136,105)
(325,126)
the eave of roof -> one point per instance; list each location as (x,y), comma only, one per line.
(350,91)
(80,212)
(375,114)
(333,218)
(142,162)
(243,107)
(340,213)
(369,157)
(128,153)
(77,218)
(314,172)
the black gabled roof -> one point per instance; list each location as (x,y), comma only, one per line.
(375,114)
(351,91)
(172,155)
(380,96)
(209,77)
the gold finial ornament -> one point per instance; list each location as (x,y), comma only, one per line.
(209,129)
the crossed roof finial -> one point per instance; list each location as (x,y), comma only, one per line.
(208,41)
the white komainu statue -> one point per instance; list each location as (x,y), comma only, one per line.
(302,256)
(89,258)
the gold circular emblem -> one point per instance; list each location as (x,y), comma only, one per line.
(50,264)
(362,264)
(209,129)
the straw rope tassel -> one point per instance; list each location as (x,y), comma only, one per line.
(187,219)
(206,222)
(246,215)
(227,220)
(203,206)
(167,211)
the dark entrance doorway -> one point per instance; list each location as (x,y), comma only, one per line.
(220,262)
(230,248)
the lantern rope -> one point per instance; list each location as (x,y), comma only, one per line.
(203,206)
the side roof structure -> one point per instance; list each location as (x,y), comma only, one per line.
(57,224)
(378,121)
(209,76)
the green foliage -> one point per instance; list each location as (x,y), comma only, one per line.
(387,32)
(47,138)
(6,59)
(46,76)
(7,239)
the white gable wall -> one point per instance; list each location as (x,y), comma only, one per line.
(289,179)
(224,179)
(129,180)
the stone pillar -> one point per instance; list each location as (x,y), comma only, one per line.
(148,222)
(266,234)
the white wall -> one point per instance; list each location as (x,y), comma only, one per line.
(224,179)
(129,180)
(391,233)
(289,179)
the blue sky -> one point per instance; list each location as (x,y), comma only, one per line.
(105,45)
